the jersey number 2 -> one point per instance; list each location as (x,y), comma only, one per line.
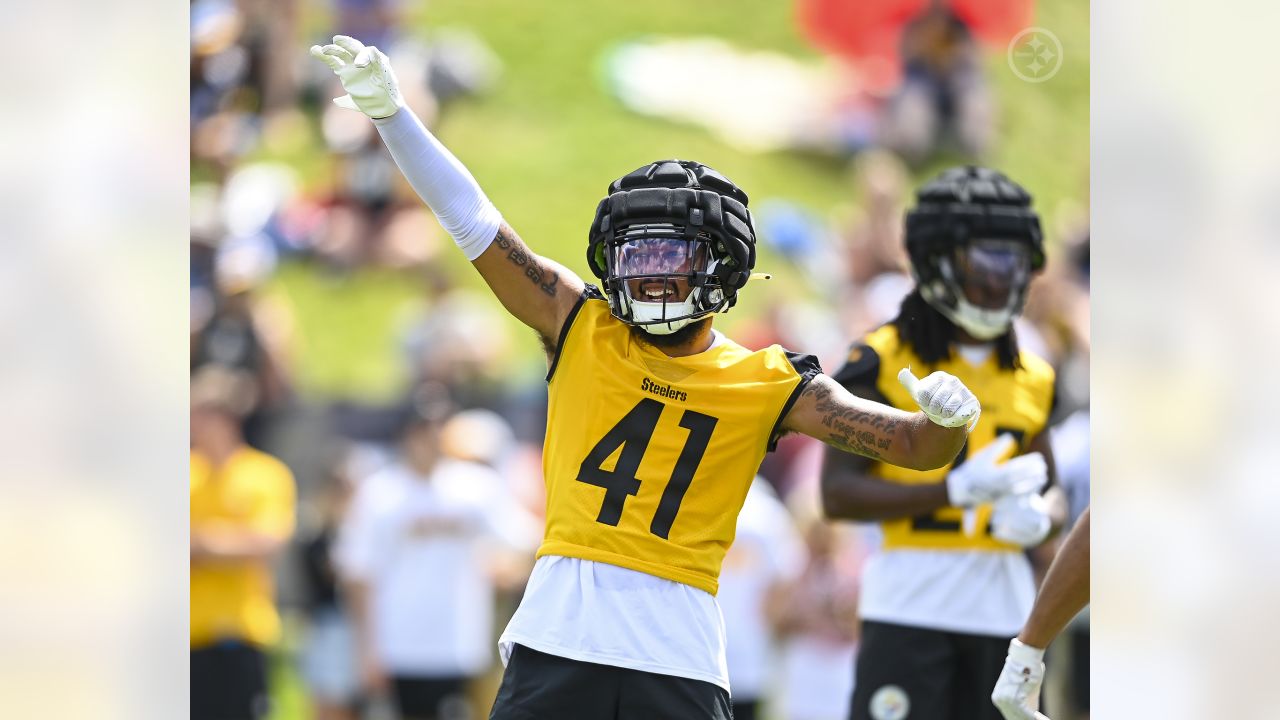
(633,433)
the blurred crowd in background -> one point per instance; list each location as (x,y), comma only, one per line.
(330,332)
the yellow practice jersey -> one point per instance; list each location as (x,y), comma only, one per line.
(233,600)
(648,458)
(1014,401)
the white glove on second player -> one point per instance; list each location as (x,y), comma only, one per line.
(943,398)
(980,480)
(1017,692)
(1021,519)
(366,75)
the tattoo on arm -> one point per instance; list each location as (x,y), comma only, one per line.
(852,430)
(518,254)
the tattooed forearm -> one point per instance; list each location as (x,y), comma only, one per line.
(852,430)
(518,254)
(853,445)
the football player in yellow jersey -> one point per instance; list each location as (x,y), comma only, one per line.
(951,583)
(656,423)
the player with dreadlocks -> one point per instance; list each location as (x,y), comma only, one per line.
(951,583)
(656,423)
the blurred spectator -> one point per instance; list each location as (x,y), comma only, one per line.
(218,62)
(873,234)
(241,76)
(343,321)
(943,101)
(1070,441)
(466,344)
(373,21)
(229,338)
(271,30)
(328,662)
(242,514)
(767,553)
(875,263)
(1058,306)
(479,436)
(415,552)
(816,614)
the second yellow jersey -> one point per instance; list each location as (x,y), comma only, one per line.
(1014,401)
(648,458)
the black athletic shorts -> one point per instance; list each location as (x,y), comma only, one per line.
(431,698)
(910,673)
(538,686)
(228,682)
(1080,668)
(746,709)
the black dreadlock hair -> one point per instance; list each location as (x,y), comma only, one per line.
(931,334)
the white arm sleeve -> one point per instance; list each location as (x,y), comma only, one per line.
(442,182)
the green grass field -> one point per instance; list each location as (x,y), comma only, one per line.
(548,141)
(545,144)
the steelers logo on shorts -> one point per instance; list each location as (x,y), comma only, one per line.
(890,703)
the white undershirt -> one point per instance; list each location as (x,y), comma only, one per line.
(601,613)
(966,591)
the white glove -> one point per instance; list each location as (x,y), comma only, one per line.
(365,74)
(980,480)
(943,398)
(1021,519)
(1017,693)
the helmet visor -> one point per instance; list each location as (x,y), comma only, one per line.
(992,273)
(659,269)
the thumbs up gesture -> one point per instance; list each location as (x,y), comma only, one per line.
(943,398)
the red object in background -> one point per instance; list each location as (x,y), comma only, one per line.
(868,32)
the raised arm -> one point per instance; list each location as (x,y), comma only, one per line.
(828,412)
(538,292)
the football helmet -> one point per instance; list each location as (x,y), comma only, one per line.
(672,243)
(974,244)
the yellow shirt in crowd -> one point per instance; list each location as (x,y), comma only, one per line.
(234,600)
